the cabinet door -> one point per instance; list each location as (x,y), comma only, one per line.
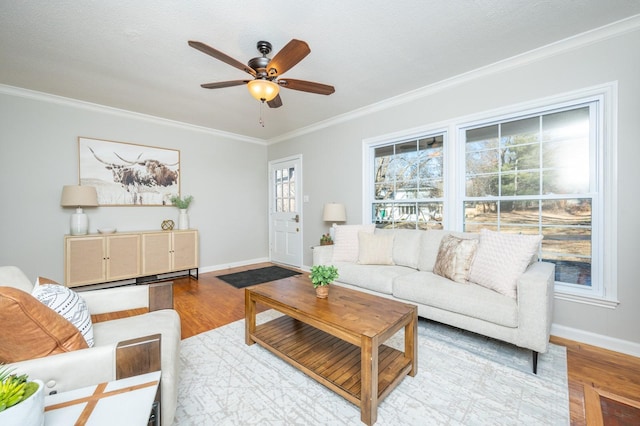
(123,256)
(84,260)
(156,253)
(185,250)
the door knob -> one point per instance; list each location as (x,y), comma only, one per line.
(297,218)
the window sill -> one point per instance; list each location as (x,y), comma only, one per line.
(587,300)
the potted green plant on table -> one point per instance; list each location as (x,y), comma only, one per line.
(321,276)
(326,240)
(21,399)
(183,205)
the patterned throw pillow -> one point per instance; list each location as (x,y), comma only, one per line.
(501,259)
(345,246)
(455,257)
(67,303)
(375,249)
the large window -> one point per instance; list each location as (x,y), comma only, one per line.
(548,169)
(408,184)
(536,175)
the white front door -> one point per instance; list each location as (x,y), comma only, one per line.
(285,208)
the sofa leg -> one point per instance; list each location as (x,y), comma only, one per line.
(535,362)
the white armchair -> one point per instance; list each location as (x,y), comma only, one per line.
(122,347)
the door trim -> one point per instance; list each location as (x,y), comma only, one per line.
(299,202)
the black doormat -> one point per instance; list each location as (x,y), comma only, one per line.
(257,276)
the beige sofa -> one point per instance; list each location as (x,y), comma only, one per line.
(523,320)
(109,358)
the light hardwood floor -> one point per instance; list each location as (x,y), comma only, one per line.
(597,377)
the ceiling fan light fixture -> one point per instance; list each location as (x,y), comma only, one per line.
(263,90)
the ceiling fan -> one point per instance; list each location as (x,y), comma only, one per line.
(267,72)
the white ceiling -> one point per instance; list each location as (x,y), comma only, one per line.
(134,55)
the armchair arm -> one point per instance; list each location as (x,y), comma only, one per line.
(322,255)
(71,370)
(86,367)
(153,296)
(535,305)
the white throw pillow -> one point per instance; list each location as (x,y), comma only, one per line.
(67,303)
(346,246)
(501,259)
(455,257)
(375,249)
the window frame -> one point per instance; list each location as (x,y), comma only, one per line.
(604,219)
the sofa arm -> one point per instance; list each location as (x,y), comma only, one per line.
(322,255)
(535,305)
(153,296)
(71,370)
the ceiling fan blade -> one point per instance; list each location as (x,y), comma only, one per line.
(221,56)
(307,86)
(275,102)
(222,84)
(292,53)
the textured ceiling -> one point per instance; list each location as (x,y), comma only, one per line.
(134,55)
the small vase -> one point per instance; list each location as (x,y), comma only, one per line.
(322,292)
(29,412)
(183,219)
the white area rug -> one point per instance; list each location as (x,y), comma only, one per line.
(463,379)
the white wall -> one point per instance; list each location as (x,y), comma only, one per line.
(39,154)
(333,156)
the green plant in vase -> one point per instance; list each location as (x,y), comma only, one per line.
(326,240)
(321,276)
(181,203)
(14,389)
(21,399)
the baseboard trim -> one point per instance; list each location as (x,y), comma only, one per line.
(220,267)
(602,341)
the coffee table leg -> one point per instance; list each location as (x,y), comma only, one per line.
(369,380)
(411,343)
(249,317)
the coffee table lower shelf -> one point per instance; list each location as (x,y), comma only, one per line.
(328,359)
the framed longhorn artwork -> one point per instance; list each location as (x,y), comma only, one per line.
(126,174)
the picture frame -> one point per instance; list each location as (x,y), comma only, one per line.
(127,174)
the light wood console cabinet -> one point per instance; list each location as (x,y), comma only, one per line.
(94,258)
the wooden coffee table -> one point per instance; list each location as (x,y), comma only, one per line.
(339,340)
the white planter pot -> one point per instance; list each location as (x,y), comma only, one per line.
(183,219)
(29,412)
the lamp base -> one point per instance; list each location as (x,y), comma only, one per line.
(79,222)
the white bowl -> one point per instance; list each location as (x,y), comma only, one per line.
(106,230)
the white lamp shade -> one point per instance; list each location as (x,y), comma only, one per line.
(334,212)
(79,196)
(263,90)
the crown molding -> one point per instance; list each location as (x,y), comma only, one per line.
(612,30)
(89,106)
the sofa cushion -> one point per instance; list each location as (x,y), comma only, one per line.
(406,245)
(375,249)
(454,258)
(33,330)
(501,259)
(470,300)
(373,277)
(345,247)
(67,303)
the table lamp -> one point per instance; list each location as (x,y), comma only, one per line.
(79,196)
(334,212)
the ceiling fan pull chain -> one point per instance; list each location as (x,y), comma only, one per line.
(261,121)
